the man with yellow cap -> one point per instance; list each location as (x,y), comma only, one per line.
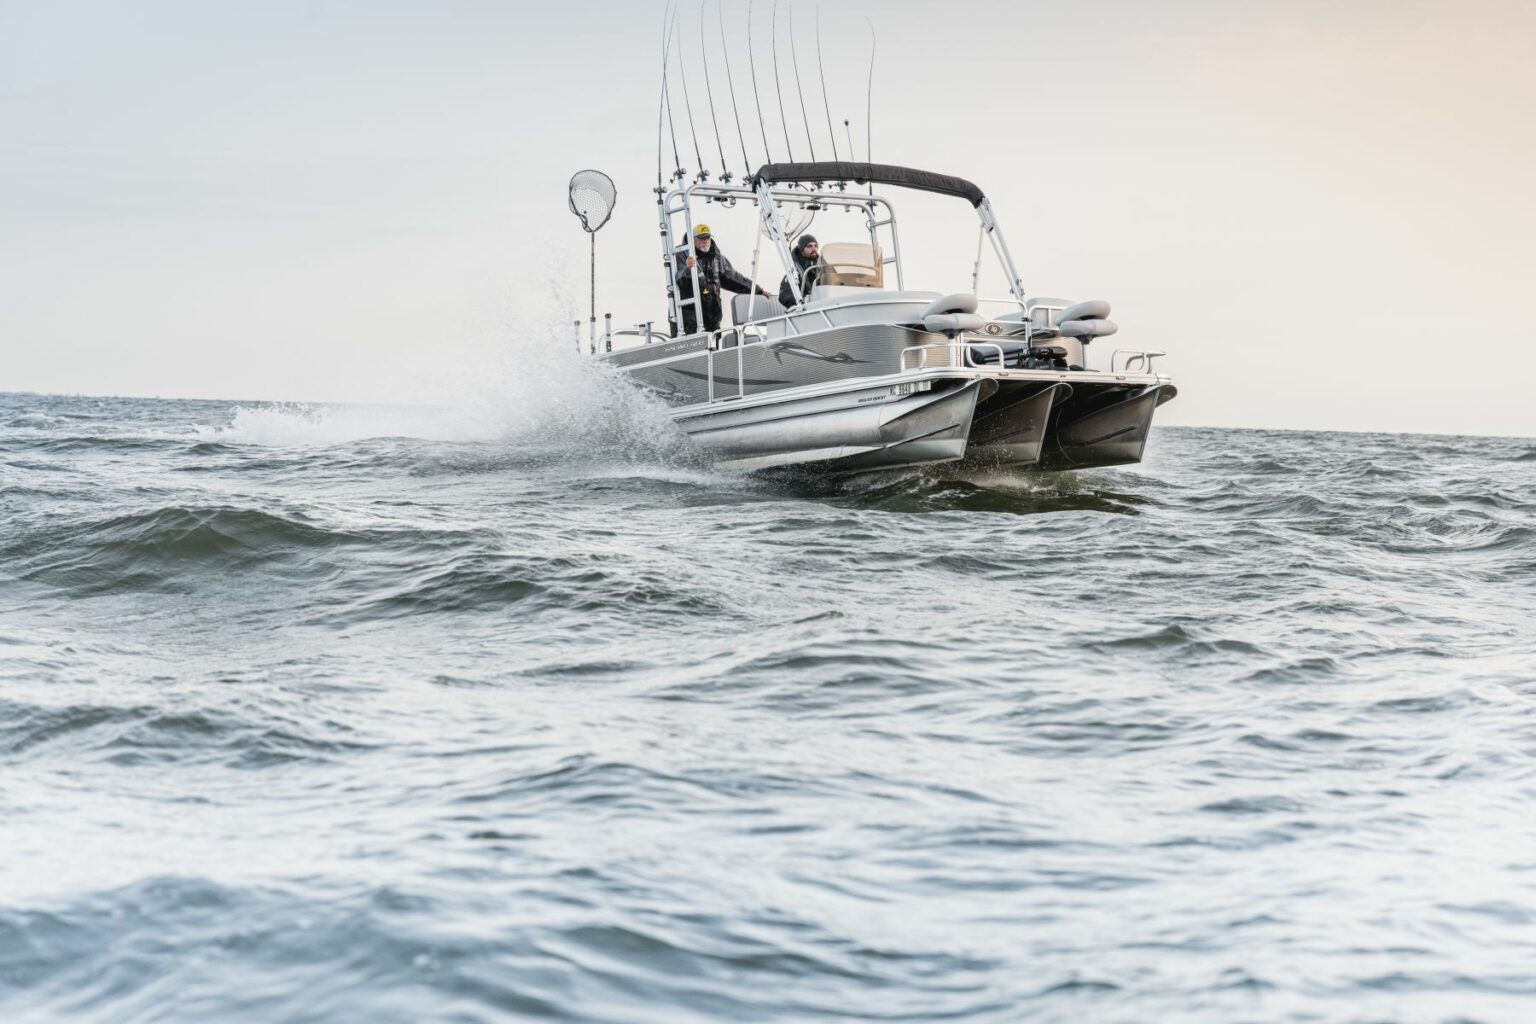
(715,274)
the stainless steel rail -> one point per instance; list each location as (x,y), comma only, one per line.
(1133,356)
(959,354)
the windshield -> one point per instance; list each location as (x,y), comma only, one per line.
(855,264)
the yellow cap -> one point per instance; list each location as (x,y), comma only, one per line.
(700,229)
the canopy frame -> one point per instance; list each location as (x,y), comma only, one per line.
(828,172)
(761,190)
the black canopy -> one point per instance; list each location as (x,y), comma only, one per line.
(884,174)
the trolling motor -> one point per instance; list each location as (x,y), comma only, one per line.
(592,196)
(1045,357)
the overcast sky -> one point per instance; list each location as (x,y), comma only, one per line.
(1321,210)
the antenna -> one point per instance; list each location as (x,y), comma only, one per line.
(826,103)
(756,98)
(784,121)
(794,55)
(731,80)
(725,175)
(682,69)
(592,197)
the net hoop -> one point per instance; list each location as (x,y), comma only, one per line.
(592,195)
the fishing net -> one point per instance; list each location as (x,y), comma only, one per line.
(797,220)
(592,198)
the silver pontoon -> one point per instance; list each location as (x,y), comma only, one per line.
(860,375)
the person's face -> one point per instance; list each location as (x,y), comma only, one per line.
(703,242)
(811,250)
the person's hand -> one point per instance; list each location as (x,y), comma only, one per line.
(690,262)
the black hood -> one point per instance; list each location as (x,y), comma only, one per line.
(799,253)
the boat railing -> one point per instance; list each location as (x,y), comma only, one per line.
(957,353)
(646,332)
(718,345)
(1140,358)
(1031,328)
(790,319)
(1008,300)
(970,348)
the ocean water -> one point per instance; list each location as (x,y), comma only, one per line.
(518,710)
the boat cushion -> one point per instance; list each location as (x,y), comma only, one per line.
(959,302)
(754,307)
(1092,309)
(944,323)
(1088,329)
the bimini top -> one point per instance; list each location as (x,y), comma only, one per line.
(883,174)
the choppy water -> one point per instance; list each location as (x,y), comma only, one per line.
(521,713)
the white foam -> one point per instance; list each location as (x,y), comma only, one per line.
(536,391)
(292,424)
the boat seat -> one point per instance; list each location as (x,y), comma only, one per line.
(1082,321)
(960,302)
(754,307)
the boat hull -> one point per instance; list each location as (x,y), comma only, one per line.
(1103,430)
(851,398)
(851,430)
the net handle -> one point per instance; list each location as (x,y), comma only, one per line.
(602,189)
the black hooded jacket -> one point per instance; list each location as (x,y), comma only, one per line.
(807,270)
(715,273)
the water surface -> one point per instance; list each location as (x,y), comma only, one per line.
(410,715)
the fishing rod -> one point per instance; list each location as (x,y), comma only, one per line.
(869,99)
(824,101)
(682,69)
(725,175)
(783,120)
(794,55)
(756,97)
(730,80)
(677,160)
(661,100)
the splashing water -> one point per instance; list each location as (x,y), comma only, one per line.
(539,394)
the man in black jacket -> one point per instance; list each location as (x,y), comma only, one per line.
(715,273)
(806,252)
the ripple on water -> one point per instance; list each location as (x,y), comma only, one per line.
(363,715)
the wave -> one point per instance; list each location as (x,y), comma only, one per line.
(155,548)
(1019,492)
(35,421)
(126,735)
(87,443)
(557,943)
(492,581)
